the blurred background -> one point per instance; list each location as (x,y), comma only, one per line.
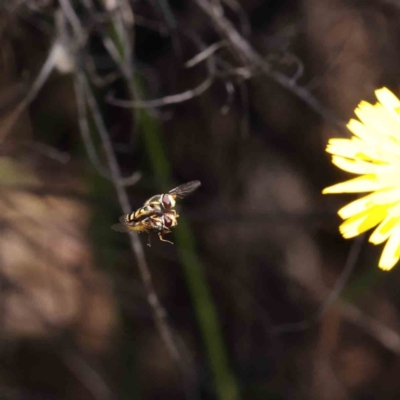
(105,103)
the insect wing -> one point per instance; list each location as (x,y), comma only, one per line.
(184,190)
(120,228)
(122,219)
(140,226)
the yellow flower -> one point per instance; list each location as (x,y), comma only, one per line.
(374,154)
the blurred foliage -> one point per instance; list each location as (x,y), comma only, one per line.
(13,173)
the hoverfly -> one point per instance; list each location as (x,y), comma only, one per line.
(157,213)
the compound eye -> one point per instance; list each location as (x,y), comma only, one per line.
(166,201)
(167,221)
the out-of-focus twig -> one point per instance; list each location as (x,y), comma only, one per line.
(204,54)
(247,55)
(71,16)
(334,293)
(166,11)
(230,91)
(330,299)
(159,313)
(40,80)
(87,375)
(88,142)
(386,336)
(126,67)
(244,22)
(170,99)
(85,130)
(150,24)
(47,151)
(163,101)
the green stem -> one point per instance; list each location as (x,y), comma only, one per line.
(206,312)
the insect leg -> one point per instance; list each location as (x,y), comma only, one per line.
(160,235)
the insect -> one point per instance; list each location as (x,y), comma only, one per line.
(157,214)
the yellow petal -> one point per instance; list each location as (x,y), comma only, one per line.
(390,119)
(391,252)
(371,117)
(389,124)
(358,166)
(381,152)
(384,197)
(366,183)
(363,221)
(379,122)
(362,132)
(342,147)
(384,230)
(388,99)
(367,115)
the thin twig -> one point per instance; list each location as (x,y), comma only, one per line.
(159,313)
(41,79)
(246,54)
(150,24)
(386,336)
(87,375)
(95,78)
(73,19)
(47,151)
(333,294)
(89,145)
(119,22)
(245,119)
(164,101)
(85,130)
(198,58)
(244,23)
(230,91)
(87,96)
(166,11)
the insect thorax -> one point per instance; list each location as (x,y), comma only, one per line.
(164,202)
(157,199)
(155,205)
